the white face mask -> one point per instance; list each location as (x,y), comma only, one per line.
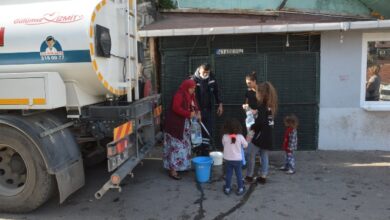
(203,75)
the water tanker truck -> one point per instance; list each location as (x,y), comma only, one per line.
(69,93)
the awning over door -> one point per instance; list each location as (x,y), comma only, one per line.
(189,24)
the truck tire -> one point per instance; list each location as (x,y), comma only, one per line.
(24,182)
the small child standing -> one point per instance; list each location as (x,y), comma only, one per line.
(290,143)
(233,142)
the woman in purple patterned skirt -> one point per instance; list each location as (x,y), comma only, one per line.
(177,141)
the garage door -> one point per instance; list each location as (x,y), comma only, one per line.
(295,74)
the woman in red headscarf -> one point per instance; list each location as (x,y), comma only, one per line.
(177,138)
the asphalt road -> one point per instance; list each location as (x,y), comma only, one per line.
(327,185)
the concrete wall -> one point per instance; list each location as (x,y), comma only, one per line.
(343,124)
(344,7)
(229,4)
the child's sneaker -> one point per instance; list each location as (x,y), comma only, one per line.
(290,172)
(248,180)
(241,191)
(283,168)
(226,190)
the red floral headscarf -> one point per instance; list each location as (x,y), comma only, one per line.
(185,86)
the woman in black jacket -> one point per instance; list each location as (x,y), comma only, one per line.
(262,140)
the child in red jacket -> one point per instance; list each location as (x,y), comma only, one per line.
(290,143)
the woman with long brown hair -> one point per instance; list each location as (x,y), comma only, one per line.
(262,140)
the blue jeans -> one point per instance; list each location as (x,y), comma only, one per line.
(254,150)
(236,166)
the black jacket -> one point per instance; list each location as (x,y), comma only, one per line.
(205,89)
(263,127)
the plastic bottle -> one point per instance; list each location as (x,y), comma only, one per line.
(196,132)
(250,118)
(249,121)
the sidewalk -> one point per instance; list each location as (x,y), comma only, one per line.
(327,185)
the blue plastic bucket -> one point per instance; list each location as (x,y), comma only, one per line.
(202,168)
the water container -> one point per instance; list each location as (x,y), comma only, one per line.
(217,157)
(202,168)
(250,118)
(72,24)
(243,156)
(196,132)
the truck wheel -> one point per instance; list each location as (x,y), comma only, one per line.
(24,181)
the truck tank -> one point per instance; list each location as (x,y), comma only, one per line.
(85,42)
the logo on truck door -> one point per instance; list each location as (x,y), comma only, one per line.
(49,18)
(51,50)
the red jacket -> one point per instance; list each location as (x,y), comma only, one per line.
(290,140)
(182,105)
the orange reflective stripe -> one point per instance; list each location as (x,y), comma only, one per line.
(93,17)
(127,129)
(123,130)
(39,101)
(117,133)
(24,101)
(94,65)
(158,111)
(91,31)
(14,101)
(92,49)
(98,7)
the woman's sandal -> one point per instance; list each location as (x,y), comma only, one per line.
(175,177)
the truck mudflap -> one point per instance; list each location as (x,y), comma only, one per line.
(57,146)
(70,179)
(132,140)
